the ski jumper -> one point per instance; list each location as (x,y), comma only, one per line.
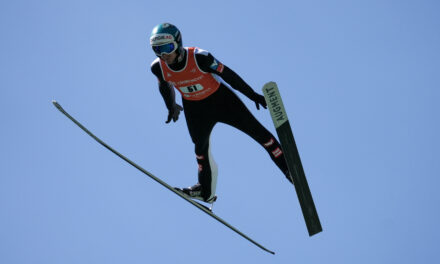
(206,101)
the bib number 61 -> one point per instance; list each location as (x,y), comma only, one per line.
(192,88)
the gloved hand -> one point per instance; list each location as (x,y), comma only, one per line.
(259,100)
(173,113)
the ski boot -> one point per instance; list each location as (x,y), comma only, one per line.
(195,192)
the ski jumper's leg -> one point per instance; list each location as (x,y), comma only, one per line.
(208,171)
(238,115)
(200,125)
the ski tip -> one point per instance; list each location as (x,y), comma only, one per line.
(57,105)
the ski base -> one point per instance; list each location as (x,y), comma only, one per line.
(291,154)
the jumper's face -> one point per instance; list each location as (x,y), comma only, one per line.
(169,58)
(167,51)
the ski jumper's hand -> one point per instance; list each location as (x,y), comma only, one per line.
(259,100)
(174,113)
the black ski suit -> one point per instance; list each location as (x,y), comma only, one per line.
(221,106)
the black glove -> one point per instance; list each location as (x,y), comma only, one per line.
(173,113)
(259,100)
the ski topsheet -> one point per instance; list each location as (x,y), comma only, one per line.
(291,154)
(196,204)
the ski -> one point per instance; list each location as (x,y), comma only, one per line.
(291,154)
(203,208)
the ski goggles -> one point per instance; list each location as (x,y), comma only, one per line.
(165,49)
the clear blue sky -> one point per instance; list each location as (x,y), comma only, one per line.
(360,81)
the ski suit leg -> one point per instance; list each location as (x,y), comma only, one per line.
(239,116)
(200,127)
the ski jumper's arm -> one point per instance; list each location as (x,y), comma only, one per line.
(208,63)
(166,90)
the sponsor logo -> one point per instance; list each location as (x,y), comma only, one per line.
(195,80)
(214,65)
(220,68)
(269,143)
(160,39)
(217,66)
(277,152)
(193,194)
(276,104)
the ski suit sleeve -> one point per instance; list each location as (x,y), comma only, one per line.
(168,94)
(166,90)
(208,63)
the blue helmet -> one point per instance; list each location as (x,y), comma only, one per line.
(166,38)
